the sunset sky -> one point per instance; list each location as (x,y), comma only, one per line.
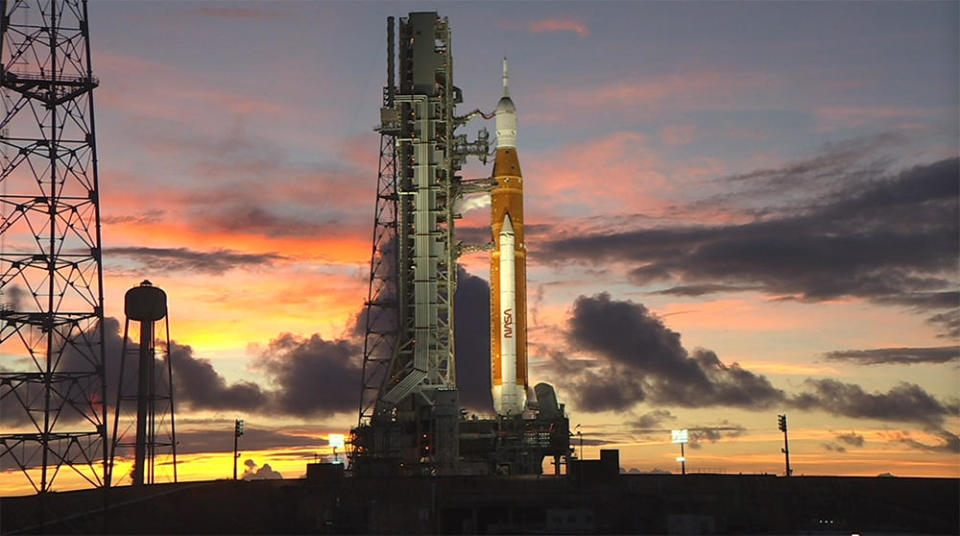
(733,210)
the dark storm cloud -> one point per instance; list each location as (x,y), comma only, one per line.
(70,394)
(628,334)
(588,442)
(606,389)
(380,317)
(949,442)
(637,358)
(905,402)
(645,359)
(258,220)
(835,166)
(312,376)
(147,216)
(889,238)
(948,322)
(473,235)
(199,386)
(13,297)
(263,473)
(188,260)
(700,290)
(302,377)
(481,235)
(653,419)
(712,434)
(926,300)
(853,439)
(317,377)
(218,437)
(650,425)
(472,323)
(472,319)
(901,356)
(727,385)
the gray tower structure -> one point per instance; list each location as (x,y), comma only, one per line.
(409,408)
(52,388)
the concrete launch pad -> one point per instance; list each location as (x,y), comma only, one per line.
(594,501)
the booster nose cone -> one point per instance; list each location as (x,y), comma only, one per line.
(507,229)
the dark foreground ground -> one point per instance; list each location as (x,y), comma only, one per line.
(604,504)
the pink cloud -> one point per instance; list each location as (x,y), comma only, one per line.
(558,25)
(855,116)
(645,97)
(681,86)
(678,134)
(618,171)
(238,13)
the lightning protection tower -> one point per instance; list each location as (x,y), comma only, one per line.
(50,257)
(409,404)
(145,390)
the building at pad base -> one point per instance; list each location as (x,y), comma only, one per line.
(410,418)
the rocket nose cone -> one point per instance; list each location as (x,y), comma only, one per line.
(505,106)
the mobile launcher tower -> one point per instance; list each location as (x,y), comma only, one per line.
(410,420)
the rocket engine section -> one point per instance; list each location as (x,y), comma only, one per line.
(508,267)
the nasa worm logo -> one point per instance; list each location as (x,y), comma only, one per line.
(507,323)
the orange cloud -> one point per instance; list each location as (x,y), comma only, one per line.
(773,367)
(342,248)
(565,24)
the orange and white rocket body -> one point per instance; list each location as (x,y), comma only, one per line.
(508,267)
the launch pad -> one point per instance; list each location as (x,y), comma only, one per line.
(410,419)
(412,444)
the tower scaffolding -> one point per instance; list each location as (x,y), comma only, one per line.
(52,388)
(409,405)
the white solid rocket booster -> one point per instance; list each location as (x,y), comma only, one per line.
(510,402)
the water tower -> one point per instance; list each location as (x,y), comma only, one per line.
(145,388)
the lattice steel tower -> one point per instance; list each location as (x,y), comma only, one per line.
(381,314)
(54,410)
(409,405)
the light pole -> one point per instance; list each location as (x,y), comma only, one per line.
(336,441)
(237,432)
(782,425)
(681,437)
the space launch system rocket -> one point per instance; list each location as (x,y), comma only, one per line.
(508,266)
